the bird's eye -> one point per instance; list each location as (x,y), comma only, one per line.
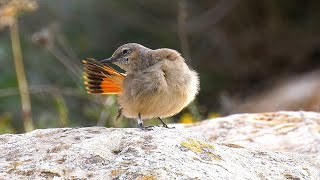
(125,51)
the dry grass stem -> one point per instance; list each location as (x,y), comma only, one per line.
(22,81)
(182,33)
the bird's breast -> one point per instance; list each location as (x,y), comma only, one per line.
(158,93)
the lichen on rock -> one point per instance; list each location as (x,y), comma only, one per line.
(111,153)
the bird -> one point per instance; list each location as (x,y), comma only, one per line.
(157,83)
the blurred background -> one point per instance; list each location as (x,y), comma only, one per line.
(252,56)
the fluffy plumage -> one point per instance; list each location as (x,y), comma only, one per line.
(157,83)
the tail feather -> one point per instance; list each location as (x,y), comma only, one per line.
(101,79)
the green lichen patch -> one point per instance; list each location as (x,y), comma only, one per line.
(203,149)
(196,146)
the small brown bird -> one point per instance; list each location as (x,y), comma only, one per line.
(157,84)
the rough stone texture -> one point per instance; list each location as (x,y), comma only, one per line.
(102,153)
(277,131)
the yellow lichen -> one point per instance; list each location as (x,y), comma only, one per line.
(215,157)
(148,177)
(196,146)
(13,166)
(116,172)
(202,148)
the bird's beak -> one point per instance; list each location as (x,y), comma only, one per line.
(109,60)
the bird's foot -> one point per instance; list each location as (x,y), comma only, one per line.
(166,126)
(145,128)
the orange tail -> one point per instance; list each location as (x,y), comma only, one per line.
(101,78)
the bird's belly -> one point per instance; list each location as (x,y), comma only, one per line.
(159,104)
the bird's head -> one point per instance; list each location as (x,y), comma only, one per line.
(131,57)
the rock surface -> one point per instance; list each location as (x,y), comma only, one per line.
(106,153)
(285,131)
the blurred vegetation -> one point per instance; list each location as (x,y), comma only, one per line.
(238,47)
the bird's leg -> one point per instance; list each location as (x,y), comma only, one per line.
(164,124)
(141,126)
(140,122)
(119,113)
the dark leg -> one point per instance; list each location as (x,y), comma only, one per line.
(164,124)
(140,122)
(141,126)
(119,113)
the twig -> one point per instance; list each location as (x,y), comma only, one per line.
(22,81)
(105,113)
(65,45)
(35,89)
(183,36)
(66,62)
(210,17)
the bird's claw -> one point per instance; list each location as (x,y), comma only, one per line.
(166,126)
(145,128)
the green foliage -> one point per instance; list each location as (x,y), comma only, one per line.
(6,125)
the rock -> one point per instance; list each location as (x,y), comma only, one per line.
(276,131)
(108,153)
(294,93)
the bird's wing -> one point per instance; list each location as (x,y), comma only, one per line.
(101,79)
